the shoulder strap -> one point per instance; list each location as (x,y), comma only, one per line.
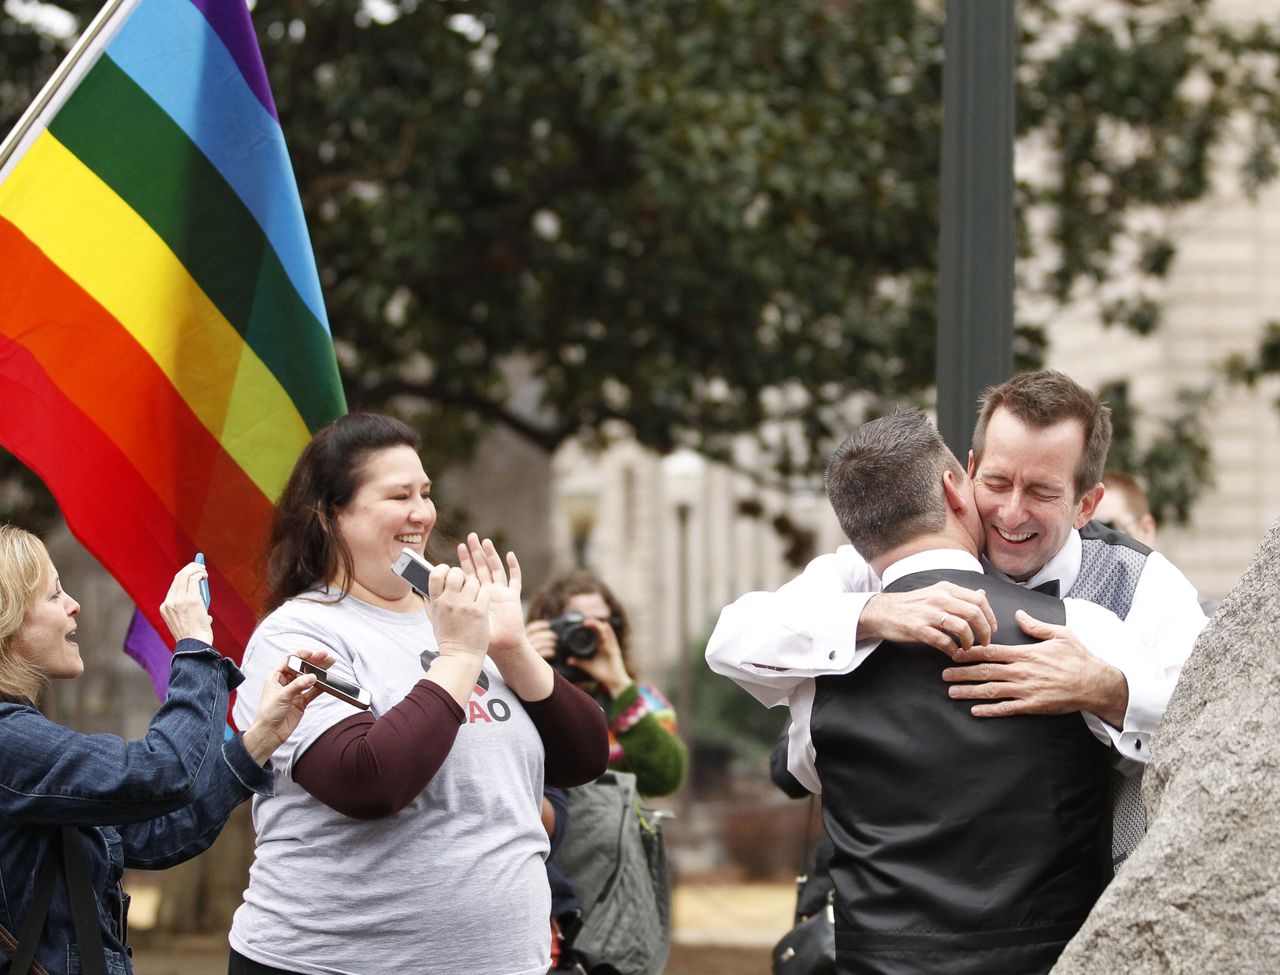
(84,906)
(24,957)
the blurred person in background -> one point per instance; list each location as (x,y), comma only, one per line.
(406,837)
(1124,508)
(579,607)
(578,624)
(76,809)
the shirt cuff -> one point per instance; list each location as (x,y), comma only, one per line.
(191,647)
(1148,696)
(552,700)
(626,710)
(254,777)
(829,643)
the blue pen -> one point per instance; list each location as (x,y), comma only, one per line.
(204,583)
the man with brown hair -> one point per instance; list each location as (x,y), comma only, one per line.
(1036,466)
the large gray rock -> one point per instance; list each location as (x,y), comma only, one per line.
(1202,891)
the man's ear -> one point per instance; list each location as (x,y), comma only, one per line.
(958,500)
(1089,504)
(972,466)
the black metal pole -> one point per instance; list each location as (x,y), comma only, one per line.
(976,245)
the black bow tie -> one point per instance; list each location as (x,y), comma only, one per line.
(1049,588)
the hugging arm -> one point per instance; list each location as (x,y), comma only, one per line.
(829,619)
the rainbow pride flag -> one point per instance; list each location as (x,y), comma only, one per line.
(164,348)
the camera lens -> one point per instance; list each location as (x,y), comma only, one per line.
(580,641)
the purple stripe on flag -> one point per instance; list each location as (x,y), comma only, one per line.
(230,20)
(144,645)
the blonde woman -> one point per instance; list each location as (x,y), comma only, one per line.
(87,806)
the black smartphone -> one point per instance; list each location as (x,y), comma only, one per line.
(353,694)
(413,569)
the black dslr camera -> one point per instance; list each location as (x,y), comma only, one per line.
(573,637)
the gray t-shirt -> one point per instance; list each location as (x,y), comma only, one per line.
(454,883)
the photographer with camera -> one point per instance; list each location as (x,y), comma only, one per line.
(578,624)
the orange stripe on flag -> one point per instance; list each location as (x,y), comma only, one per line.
(116,512)
(114,380)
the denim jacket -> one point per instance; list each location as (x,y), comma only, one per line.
(149,803)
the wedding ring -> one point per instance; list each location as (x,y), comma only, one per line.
(942,621)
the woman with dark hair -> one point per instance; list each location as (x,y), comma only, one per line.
(405,838)
(642,724)
(75,809)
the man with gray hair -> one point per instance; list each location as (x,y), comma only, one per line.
(962,846)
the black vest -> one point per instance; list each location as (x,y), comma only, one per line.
(963,844)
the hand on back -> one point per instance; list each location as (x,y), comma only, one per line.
(944,616)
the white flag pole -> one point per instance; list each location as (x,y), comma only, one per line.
(53,87)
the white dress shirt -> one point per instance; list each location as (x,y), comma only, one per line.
(774,644)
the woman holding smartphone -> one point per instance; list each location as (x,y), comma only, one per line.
(408,837)
(75,809)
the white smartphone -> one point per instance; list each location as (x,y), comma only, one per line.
(353,694)
(413,569)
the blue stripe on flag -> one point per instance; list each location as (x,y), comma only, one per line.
(175,56)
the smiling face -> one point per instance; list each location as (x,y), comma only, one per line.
(390,510)
(45,638)
(1024,486)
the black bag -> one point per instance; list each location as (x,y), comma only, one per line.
(810,947)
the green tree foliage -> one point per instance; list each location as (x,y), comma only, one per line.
(1174,462)
(685,219)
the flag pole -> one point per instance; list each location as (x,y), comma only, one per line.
(51,87)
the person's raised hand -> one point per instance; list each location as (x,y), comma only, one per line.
(183,610)
(944,616)
(501,582)
(285,696)
(1056,676)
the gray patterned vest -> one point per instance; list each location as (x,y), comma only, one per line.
(1110,565)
